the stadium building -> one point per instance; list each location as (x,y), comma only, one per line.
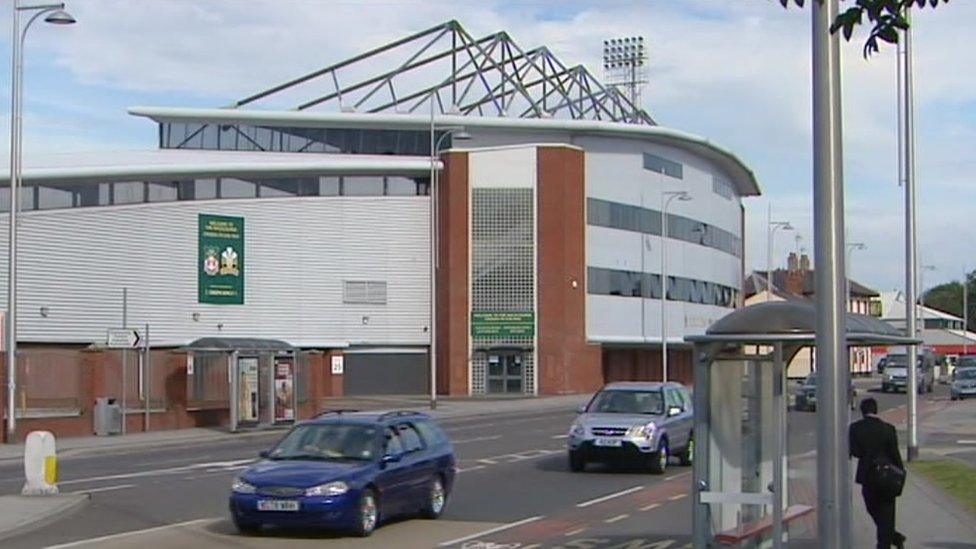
(278,251)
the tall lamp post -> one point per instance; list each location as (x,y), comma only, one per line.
(666,198)
(771,232)
(921,296)
(851,246)
(459,134)
(54,14)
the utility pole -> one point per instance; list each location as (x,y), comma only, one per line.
(907,112)
(833,466)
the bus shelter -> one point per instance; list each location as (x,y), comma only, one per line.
(741,482)
(261,377)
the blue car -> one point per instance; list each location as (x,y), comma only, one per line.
(347,470)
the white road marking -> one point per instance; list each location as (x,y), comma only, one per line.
(610,496)
(476,439)
(472,468)
(677,497)
(127,534)
(105,489)
(557,437)
(617,518)
(651,506)
(491,531)
(572,533)
(966,442)
(225,465)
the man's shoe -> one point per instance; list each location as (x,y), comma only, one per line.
(899,541)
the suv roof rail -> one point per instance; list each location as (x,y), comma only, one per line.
(338,411)
(398,413)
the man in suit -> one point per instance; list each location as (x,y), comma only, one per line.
(871,439)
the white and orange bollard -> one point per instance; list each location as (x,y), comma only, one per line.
(40,464)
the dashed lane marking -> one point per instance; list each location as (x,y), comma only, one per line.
(491,531)
(572,533)
(966,442)
(472,468)
(651,506)
(557,437)
(617,518)
(476,439)
(677,497)
(609,497)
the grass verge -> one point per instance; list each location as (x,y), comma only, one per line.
(956,478)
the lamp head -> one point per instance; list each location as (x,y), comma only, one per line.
(60,17)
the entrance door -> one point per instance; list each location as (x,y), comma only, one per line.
(505,372)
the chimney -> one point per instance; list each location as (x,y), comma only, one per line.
(793,262)
(805,262)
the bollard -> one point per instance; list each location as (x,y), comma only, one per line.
(40,464)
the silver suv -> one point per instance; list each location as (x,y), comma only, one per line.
(646,422)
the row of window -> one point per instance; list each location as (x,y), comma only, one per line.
(723,188)
(243,137)
(615,215)
(664,166)
(602,281)
(79,195)
(364,292)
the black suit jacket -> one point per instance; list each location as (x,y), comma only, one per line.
(869,438)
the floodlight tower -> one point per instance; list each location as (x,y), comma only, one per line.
(624,63)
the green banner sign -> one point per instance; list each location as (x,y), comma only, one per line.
(498,324)
(220,267)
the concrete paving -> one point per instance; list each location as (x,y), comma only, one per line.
(20,514)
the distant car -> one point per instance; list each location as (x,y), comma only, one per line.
(963,362)
(637,422)
(964,384)
(895,376)
(347,471)
(806,394)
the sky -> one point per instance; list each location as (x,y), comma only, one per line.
(736,72)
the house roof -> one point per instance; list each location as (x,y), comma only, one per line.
(756,282)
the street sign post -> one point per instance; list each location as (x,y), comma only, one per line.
(122,338)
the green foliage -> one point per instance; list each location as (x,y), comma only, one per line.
(886,17)
(951,476)
(948,298)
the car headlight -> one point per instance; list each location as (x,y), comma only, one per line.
(577,430)
(331,489)
(241,487)
(641,431)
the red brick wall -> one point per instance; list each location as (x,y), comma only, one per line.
(453,278)
(566,362)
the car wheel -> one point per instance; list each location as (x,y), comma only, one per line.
(953,397)
(930,387)
(659,459)
(246,528)
(576,462)
(884,388)
(368,514)
(436,499)
(688,456)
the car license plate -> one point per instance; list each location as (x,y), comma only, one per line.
(609,442)
(969,391)
(277,505)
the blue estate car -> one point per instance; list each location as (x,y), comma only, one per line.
(347,470)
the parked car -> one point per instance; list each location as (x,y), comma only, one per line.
(963,362)
(349,471)
(964,384)
(637,422)
(806,394)
(896,372)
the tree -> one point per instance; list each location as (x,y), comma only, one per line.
(886,17)
(948,298)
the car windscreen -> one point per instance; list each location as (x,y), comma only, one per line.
(627,402)
(328,441)
(966,362)
(968,373)
(810,380)
(897,361)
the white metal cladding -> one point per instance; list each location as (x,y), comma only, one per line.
(298,252)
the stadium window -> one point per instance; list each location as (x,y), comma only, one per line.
(236,188)
(664,166)
(401,186)
(162,191)
(329,185)
(362,186)
(128,192)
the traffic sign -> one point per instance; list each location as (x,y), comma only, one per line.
(122,338)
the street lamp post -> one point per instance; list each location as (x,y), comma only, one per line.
(921,295)
(851,246)
(666,198)
(55,15)
(771,232)
(458,133)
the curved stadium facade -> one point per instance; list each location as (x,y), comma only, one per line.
(310,226)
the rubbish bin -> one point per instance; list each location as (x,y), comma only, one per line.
(107,416)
